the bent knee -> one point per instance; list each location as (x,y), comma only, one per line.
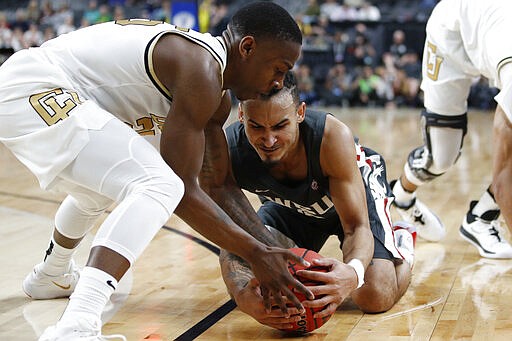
(167,190)
(374,300)
(380,291)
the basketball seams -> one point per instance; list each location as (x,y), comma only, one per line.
(307,322)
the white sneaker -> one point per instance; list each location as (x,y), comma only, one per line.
(81,329)
(484,235)
(41,286)
(428,224)
(405,240)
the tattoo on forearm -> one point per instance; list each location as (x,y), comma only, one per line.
(235,270)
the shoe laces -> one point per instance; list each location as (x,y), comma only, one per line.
(490,229)
(494,230)
(417,215)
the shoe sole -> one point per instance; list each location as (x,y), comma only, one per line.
(472,240)
(62,294)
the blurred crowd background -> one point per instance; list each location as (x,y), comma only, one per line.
(355,52)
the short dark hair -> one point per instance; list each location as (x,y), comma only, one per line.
(290,85)
(265,19)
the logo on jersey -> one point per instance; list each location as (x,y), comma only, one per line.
(54,105)
(316,210)
(314,185)
(373,176)
(433,62)
(148,125)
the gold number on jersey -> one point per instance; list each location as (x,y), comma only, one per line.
(147,126)
(54,105)
(143,22)
(159,121)
(433,62)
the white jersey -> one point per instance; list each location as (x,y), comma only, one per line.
(52,95)
(465,39)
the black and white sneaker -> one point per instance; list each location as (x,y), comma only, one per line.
(484,233)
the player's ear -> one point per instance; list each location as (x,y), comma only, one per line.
(240,113)
(246,46)
(301,112)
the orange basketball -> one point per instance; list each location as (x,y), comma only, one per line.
(307,323)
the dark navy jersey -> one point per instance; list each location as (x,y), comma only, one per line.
(310,196)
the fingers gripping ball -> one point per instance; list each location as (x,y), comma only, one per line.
(307,323)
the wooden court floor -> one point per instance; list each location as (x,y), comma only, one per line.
(175,291)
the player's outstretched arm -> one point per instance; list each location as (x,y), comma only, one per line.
(502,164)
(217,179)
(348,194)
(194,81)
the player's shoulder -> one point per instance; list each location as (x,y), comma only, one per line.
(336,130)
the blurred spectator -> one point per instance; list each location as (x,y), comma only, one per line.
(365,87)
(368,12)
(20,20)
(66,27)
(343,13)
(5,32)
(306,85)
(327,7)
(398,48)
(219,18)
(18,41)
(353,3)
(92,13)
(119,13)
(337,87)
(411,67)
(162,12)
(33,36)
(361,52)
(33,11)
(313,9)
(48,33)
(339,45)
(385,91)
(105,14)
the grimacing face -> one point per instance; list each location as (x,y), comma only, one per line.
(272,126)
(264,65)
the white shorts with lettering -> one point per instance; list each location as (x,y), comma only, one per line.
(43,120)
(466,39)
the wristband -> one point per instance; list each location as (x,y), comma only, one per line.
(359,268)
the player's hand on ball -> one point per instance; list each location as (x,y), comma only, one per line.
(270,268)
(250,301)
(335,285)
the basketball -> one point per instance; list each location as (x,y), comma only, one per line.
(307,323)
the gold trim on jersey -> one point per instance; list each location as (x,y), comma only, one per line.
(149,58)
(501,64)
(150,69)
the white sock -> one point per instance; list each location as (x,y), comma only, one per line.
(57,260)
(404,243)
(486,204)
(402,196)
(91,294)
